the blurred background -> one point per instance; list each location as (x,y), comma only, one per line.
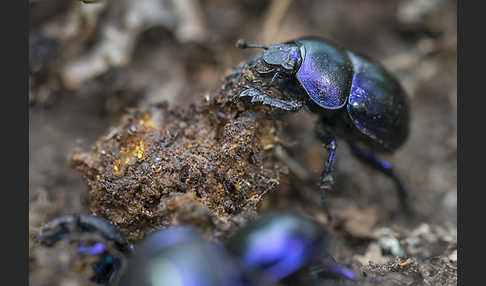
(90,62)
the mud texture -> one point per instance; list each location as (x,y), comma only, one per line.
(208,165)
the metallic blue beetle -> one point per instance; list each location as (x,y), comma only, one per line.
(94,237)
(281,244)
(268,251)
(178,256)
(356,98)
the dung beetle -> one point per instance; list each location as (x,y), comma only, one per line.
(266,252)
(355,97)
(281,244)
(93,237)
(179,256)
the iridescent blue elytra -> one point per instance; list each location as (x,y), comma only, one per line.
(278,245)
(178,256)
(325,73)
(356,98)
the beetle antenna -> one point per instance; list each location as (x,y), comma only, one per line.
(242,44)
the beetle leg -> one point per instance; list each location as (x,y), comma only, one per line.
(327,180)
(274,78)
(326,137)
(254,93)
(292,105)
(385,168)
(259,96)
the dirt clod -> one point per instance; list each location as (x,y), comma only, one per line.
(165,165)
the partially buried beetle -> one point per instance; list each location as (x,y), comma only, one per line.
(356,98)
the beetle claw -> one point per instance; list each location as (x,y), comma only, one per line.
(258,98)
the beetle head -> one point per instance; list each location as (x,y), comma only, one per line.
(286,56)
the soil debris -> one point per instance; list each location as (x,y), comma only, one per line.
(208,165)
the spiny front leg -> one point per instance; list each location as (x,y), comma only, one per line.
(259,96)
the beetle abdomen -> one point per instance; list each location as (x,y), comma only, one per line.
(377,104)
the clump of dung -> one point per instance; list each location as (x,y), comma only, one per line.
(208,164)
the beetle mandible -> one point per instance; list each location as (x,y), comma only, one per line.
(356,98)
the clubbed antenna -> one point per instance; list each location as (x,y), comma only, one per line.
(242,44)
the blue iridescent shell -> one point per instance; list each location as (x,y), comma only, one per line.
(178,256)
(377,104)
(76,224)
(277,246)
(325,72)
(321,75)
